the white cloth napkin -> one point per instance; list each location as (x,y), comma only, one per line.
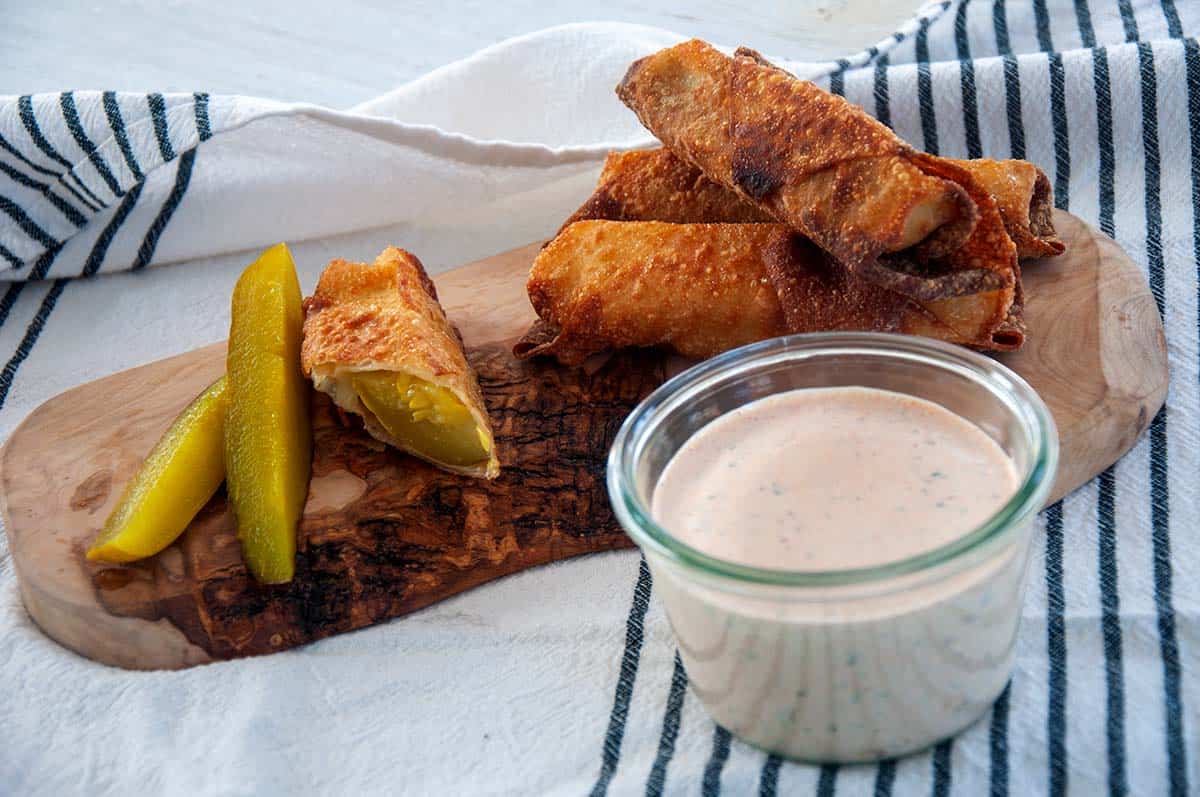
(562,680)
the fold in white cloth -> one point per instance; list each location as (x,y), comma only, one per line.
(98,180)
(562,680)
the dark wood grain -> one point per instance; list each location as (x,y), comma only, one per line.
(385,534)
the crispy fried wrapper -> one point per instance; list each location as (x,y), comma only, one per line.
(700,289)
(815,162)
(697,289)
(373,330)
(655,185)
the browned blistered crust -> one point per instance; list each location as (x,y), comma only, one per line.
(382,313)
(695,288)
(655,185)
(808,158)
(385,316)
(812,157)
(818,295)
(700,289)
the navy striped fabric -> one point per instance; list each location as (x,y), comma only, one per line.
(1105,96)
(70,159)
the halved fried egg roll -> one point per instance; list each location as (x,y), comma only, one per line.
(377,341)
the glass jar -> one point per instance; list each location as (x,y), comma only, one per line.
(856,664)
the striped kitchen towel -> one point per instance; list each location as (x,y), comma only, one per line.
(565,680)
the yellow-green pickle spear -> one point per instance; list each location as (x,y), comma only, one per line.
(268,433)
(178,477)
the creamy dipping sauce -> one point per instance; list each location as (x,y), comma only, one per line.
(831,479)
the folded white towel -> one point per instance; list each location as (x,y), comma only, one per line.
(562,680)
(104,181)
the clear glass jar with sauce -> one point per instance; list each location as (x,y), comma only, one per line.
(847,664)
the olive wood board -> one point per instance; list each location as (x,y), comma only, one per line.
(384,534)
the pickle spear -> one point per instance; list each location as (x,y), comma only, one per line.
(268,433)
(176,480)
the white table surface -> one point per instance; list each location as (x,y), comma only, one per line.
(341,53)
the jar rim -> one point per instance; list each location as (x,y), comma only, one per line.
(641,424)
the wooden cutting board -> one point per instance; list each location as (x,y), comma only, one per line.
(384,534)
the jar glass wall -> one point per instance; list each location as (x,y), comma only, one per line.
(843,665)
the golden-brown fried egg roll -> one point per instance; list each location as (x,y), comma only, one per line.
(700,289)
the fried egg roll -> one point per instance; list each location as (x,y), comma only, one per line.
(655,185)
(815,162)
(377,341)
(700,289)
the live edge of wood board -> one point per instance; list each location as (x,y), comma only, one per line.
(384,534)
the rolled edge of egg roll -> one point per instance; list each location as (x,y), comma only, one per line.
(656,185)
(377,341)
(700,289)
